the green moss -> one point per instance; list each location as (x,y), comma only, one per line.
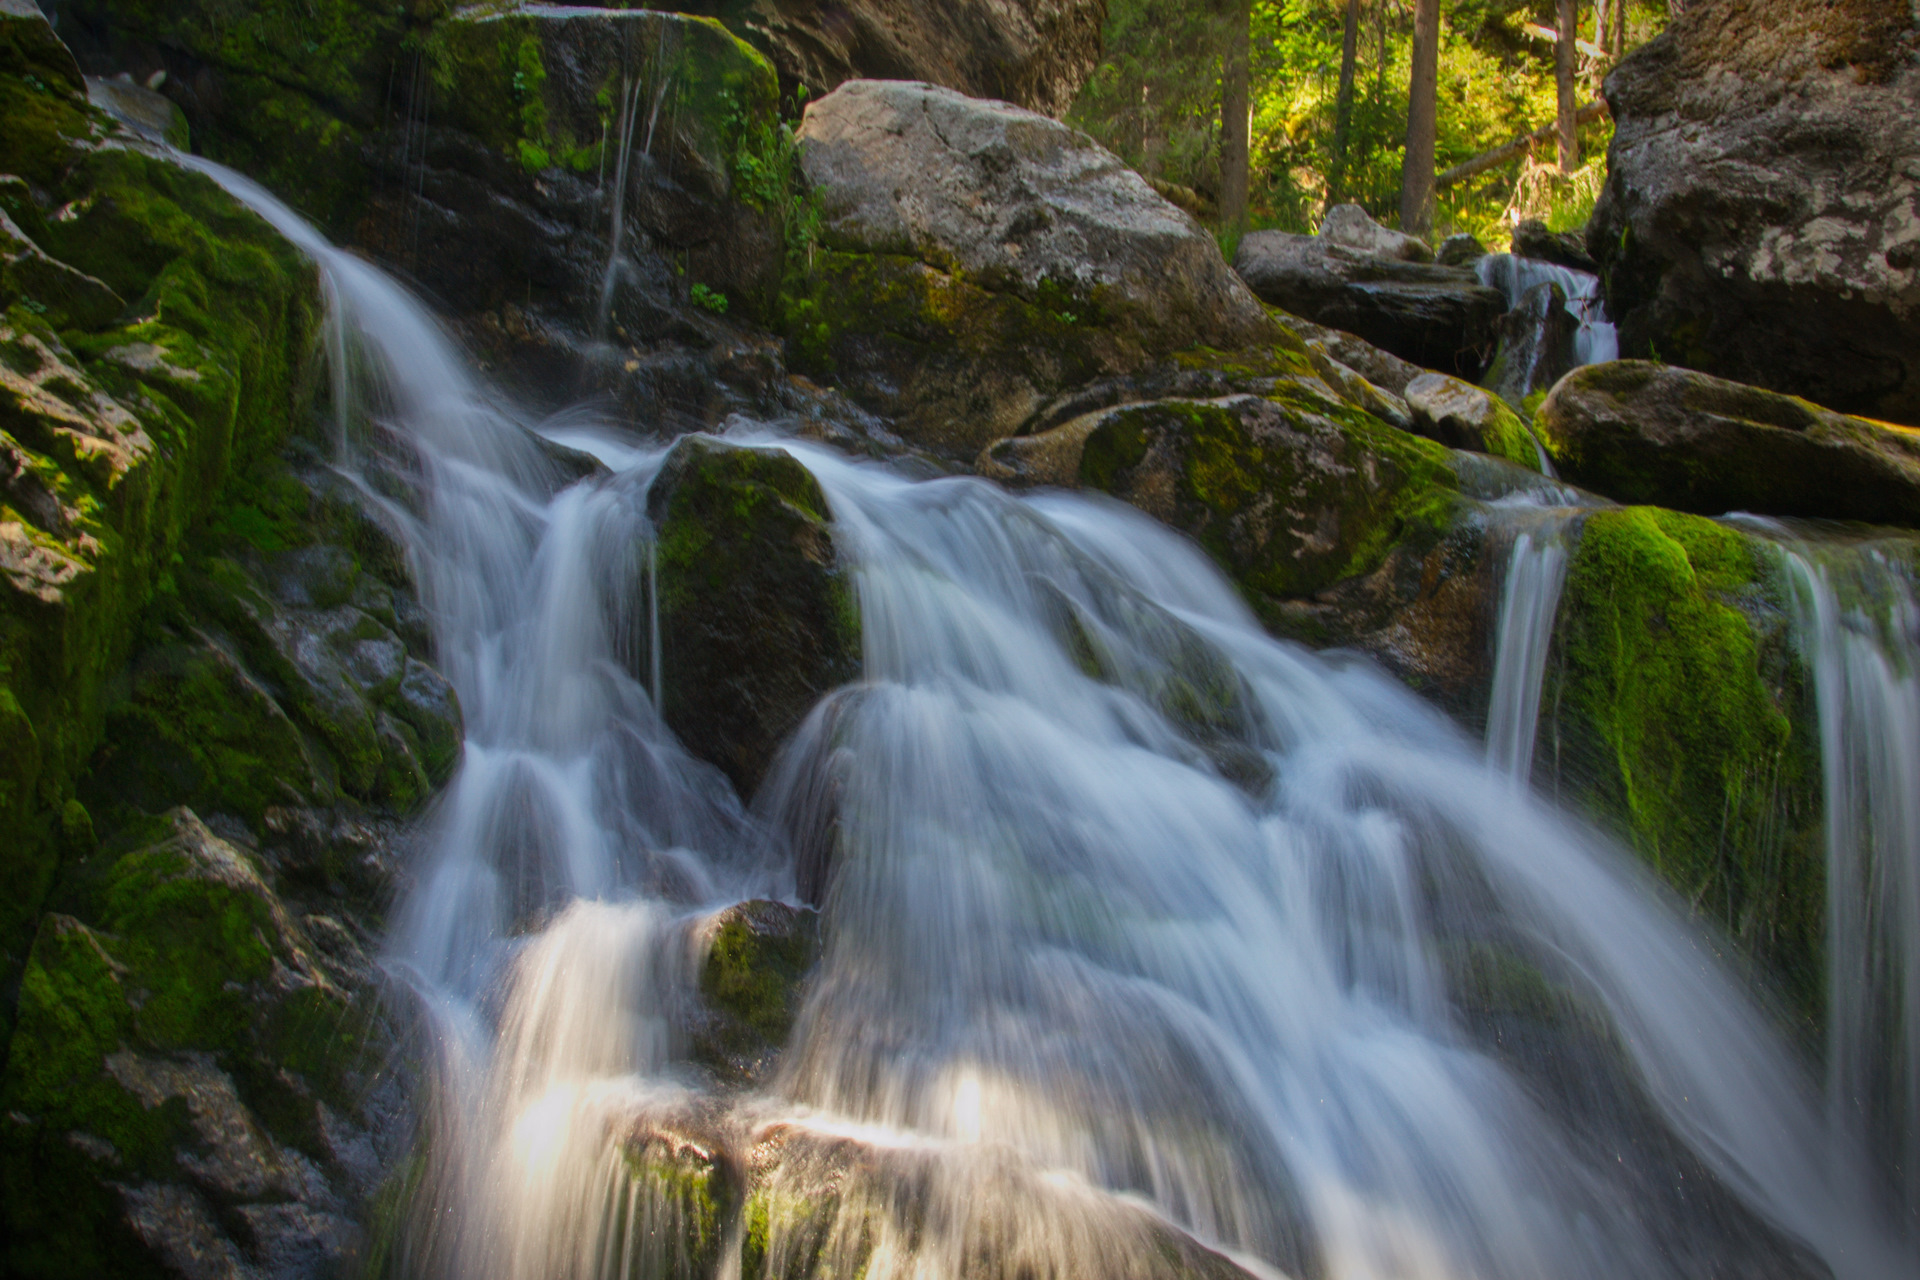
(680,1215)
(1670,715)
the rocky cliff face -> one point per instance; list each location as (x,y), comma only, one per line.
(1760,219)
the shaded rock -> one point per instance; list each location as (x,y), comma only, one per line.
(1462,416)
(1348,226)
(1289,497)
(1536,347)
(1532,239)
(1759,219)
(758,955)
(1459,250)
(29,47)
(1382,368)
(983,258)
(66,297)
(146,114)
(182,1063)
(757,620)
(1439,317)
(1031,53)
(1643,432)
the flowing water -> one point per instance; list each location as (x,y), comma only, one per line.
(1529,601)
(1137,918)
(1595,339)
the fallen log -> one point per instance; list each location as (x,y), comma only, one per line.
(1513,150)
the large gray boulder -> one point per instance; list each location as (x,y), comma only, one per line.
(1759,220)
(980,257)
(1642,432)
(1438,317)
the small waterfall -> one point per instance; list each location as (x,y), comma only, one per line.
(1529,602)
(1596,340)
(1858,625)
(1135,915)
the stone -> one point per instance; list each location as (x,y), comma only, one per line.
(1437,317)
(1536,347)
(1383,369)
(29,47)
(1348,226)
(1649,433)
(1460,250)
(1462,416)
(150,116)
(1532,239)
(66,297)
(757,617)
(1759,220)
(758,954)
(981,258)
(1032,53)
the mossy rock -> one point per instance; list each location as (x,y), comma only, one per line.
(1463,416)
(758,955)
(187,1027)
(1289,496)
(1677,713)
(757,616)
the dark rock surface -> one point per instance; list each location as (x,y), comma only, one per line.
(981,258)
(1536,346)
(759,954)
(1532,239)
(1759,218)
(757,618)
(1643,432)
(1437,317)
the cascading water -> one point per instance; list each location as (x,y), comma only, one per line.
(1858,625)
(1135,916)
(1595,340)
(1529,601)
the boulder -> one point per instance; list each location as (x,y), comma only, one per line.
(1533,239)
(758,955)
(1348,226)
(1759,218)
(1462,416)
(1033,53)
(980,258)
(1536,347)
(1438,317)
(757,618)
(1460,250)
(29,47)
(1644,432)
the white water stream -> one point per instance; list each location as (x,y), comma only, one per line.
(1595,340)
(1061,939)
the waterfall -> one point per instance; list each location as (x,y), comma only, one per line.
(1596,340)
(1135,916)
(1858,625)
(1529,601)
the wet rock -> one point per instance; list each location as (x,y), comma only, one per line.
(1536,347)
(68,298)
(1758,221)
(29,47)
(1438,317)
(1462,416)
(1532,239)
(144,113)
(1289,497)
(182,1064)
(757,618)
(758,955)
(1348,226)
(1643,432)
(982,258)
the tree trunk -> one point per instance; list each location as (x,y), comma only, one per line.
(1416,172)
(1343,104)
(1568,132)
(1619,29)
(1235,117)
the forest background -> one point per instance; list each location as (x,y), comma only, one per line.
(1169,80)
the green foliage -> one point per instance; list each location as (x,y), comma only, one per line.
(708,299)
(1155,100)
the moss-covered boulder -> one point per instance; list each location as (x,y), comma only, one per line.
(758,955)
(117,429)
(980,259)
(1677,712)
(757,616)
(1638,431)
(189,1079)
(1463,416)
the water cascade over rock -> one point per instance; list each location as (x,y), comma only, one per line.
(1137,925)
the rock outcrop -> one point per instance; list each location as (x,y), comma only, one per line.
(1462,416)
(1643,432)
(978,258)
(1437,317)
(1033,53)
(1759,220)
(1536,347)
(757,618)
